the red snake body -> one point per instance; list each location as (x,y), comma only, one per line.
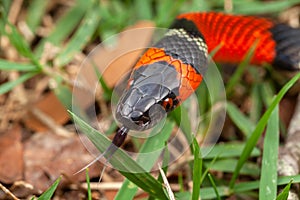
(170,71)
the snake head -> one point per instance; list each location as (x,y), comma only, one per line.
(151,94)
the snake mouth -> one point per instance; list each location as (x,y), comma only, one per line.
(142,120)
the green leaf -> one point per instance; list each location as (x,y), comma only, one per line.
(6,87)
(50,191)
(88,184)
(63,93)
(20,44)
(82,35)
(208,192)
(251,142)
(214,186)
(35,13)
(107,91)
(227,165)
(268,179)
(183,195)
(209,165)
(155,145)
(144,10)
(258,7)
(65,25)
(240,69)
(197,171)
(181,117)
(6,65)
(124,163)
(285,192)
(240,120)
(257,103)
(227,150)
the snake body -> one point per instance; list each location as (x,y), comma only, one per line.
(170,71)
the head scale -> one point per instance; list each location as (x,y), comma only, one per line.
(151,94)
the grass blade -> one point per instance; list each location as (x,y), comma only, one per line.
(268,180)
(9,66)
(50,191)
(250,144)
(128,190)
(225,165)
(82,35)
(240,120)
(241,68)
(88,184)
(197,171)
(228,150)
(258,7)
(257,103)
(123,162)
(20,44)
(35,13)
(214,186)
(65,25)
(207,169)
(208,192)
(285,192)
(5,87)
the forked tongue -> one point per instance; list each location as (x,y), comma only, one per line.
(118,140)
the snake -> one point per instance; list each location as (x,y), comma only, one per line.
(171,70)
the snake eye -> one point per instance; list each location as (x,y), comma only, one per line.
(167,104)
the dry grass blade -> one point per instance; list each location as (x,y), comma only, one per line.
(167,185)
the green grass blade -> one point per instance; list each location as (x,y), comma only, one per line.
(268,180)
(144,10)
(65,25)
(6,87)
(208,168)
(81,37)
(89,192)
(240,69)
(123,162)
(227,165)
(107,95)
(227,150)
(214,186)
(8,66)
(50,191)
(153,143)
(5,6)
(258,7)
(181,117)
(208,192)
(240,120)
(183,195)
(35,13)
(250,144)
(285,192)
(257,103)
(64,94)
(197,171)
(20,44)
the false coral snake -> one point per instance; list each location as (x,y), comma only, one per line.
(170,71)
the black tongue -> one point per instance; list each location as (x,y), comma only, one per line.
(120,136)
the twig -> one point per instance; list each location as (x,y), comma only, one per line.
(14,11)
(6,191)
(166,184)
(228,6)
(289,155)
(49,122)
